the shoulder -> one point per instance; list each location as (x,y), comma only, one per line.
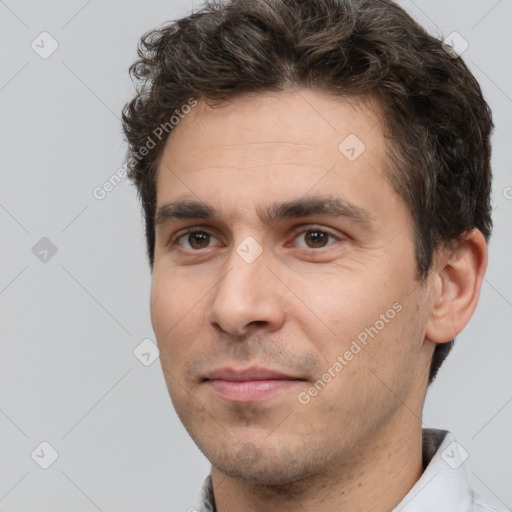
(481,505)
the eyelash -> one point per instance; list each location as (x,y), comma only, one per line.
(175,240)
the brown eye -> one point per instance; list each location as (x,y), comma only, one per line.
(198,240)
(315,238)
(195,240)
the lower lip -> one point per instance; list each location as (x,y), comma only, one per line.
(249,391)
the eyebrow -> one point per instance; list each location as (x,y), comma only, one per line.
(304,207)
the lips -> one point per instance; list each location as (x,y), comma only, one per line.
(249,385)
(254,373)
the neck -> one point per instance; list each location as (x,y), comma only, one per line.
(373,477)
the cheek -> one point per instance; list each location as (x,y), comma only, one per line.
(176,314)
(371,322)
(339,305)
(368,375)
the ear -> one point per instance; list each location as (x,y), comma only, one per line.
(456,280)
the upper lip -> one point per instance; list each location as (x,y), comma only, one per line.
(246,374)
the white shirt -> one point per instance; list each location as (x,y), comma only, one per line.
(443,486)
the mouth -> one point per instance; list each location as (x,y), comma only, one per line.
(250,384)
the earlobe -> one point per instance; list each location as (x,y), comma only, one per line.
(456,283)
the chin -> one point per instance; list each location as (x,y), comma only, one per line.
(268,466)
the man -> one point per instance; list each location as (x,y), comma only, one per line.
(315,178)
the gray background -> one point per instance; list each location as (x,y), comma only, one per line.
(69,325)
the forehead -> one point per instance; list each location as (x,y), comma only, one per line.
(302,126)
(245,156)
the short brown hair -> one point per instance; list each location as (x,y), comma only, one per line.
(436,119)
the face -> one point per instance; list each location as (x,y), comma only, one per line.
(284,300)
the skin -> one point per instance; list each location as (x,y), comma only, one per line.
(356,445)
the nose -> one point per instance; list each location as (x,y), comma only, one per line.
(247,298)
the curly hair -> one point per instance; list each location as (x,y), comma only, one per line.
(436,120)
